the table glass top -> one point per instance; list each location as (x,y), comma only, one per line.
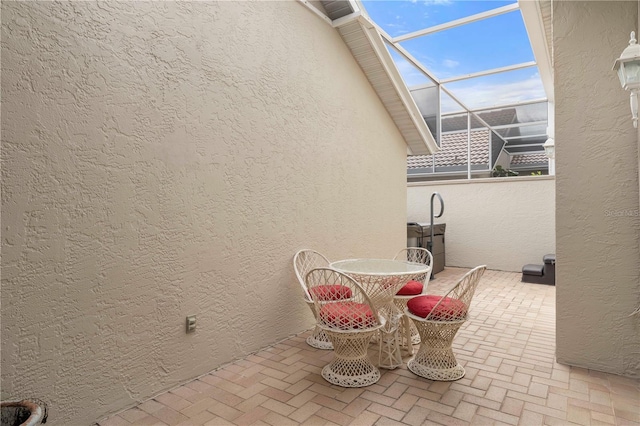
(379,267)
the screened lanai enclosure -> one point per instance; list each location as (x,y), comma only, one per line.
(471,69)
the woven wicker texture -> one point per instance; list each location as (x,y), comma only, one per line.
(435,359)
(382,288)
(304,261)
(408,333)
(350,324)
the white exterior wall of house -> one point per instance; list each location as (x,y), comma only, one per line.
(504,223)
(598,226)
(165,159)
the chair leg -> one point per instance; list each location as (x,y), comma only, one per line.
(415,336)
(351,367)
(435,359)
(319,339)
(410,334)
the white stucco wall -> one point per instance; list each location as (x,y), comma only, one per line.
(598,227)
(503,223)
(161,159)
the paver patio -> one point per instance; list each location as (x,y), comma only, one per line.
(507,349)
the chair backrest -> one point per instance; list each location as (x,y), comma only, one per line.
(355,313)
(417,255)
(304,261)
(462,291)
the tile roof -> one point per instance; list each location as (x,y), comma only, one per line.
(524,159)
(454,151)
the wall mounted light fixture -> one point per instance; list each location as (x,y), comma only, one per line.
(628,68)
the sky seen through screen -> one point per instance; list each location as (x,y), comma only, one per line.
(490,43)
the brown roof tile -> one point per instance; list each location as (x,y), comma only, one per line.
(454,151)
(522,159)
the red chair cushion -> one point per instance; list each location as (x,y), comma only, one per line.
(345,315)
(326,293)
(412,288)
(449,310)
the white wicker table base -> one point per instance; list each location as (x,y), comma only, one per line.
(381,280)
(351,366)
(435,359)
(389,355)
(381,290)
(319,340)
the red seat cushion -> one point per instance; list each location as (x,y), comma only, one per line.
(327,293)
(449,310)
(346,315)
(412,288)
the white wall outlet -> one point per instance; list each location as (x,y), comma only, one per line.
(191,323)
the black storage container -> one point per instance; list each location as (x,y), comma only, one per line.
(419,235)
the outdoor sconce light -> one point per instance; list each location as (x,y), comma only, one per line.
(549,148)
(628,68)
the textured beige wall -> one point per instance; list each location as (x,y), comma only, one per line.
(504,223)
(597,218)
(161,159)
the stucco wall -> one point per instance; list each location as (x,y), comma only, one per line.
(504,223)
(598,283)
(161,159)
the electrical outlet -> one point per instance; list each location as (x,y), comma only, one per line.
(191,323)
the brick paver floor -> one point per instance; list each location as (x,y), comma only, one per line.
(507,349)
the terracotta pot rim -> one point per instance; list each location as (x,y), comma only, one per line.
(35,410)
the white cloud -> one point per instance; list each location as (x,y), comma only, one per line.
(438,2)
(399,26)
(450,63)
(479,96)
(410,74)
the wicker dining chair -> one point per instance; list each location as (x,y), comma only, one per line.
(350,325)
(304,261)
(408,333)
(438,319)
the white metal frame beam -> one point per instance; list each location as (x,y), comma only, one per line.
(514,104)
(542,135)
(524,152)
(498,107)
(456,23)
(527,124)
(490,72)
(407,56)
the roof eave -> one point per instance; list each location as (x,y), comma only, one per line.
(536,15)
(399,103)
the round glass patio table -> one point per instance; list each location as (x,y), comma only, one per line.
(381,279)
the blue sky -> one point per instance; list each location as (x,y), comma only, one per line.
(490,43)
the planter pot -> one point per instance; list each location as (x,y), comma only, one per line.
(22,413)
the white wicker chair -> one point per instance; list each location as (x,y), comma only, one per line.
(408,333)
(304,261)
(438,319)
(350,324)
